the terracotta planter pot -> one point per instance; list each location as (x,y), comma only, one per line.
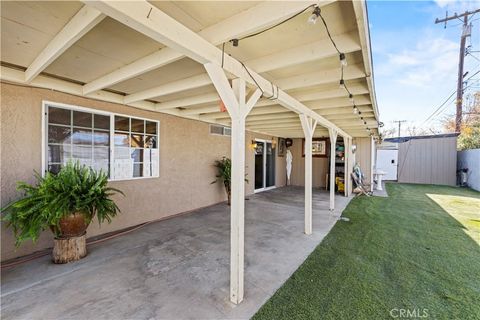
(73,225)
(70,244)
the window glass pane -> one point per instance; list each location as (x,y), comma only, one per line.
(59,116)
(138,125)
(122,123)
(151,127)
(137,155)
(151,142)
(101,122)
(83,154)
(121,139)
(82,119)
(54,168)
(101,153)
(59,153)
(136,141)
(58,134)
(138,170)
(82,136)
(101,166)
(101,138)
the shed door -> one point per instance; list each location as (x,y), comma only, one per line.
(387,160)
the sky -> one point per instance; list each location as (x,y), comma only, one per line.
(416,61)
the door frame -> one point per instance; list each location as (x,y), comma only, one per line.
(264,141)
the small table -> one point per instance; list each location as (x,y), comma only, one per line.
(379,176)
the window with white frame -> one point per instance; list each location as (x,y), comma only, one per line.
(122,146)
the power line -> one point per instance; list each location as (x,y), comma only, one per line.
(449,97)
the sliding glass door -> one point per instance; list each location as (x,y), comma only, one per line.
(264,165)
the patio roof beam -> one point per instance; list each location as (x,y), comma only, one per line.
(82,22)
(152,22)
(351,72)
(318,106)
(254,19)
(356,89)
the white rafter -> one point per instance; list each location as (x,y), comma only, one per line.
(254,19)
(82,22)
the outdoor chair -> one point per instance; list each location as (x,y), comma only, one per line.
(359,179)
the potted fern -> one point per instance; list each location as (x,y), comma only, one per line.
(65,203)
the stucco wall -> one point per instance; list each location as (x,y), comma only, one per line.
(319,167)
(187,152)
(470,159)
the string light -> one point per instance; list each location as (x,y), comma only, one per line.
(314,16)
(343,63)
(343,59)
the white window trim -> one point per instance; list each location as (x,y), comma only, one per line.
(112,115)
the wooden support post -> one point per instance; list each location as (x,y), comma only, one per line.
(333,142)
(238,109)
(346,166)
(308,125)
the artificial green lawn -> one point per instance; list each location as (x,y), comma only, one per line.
(400,252)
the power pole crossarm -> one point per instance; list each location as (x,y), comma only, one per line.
(456,16)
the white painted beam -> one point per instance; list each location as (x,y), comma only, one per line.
(319,94)
(169,88)
(327,104)
(162,28)
(333,141)
(351,72)
(308,126)
(254,19)
(82,22)
(315,51)
(356,89)
(238,107)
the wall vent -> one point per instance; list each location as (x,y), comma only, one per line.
(220,130)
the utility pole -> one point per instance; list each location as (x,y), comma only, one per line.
(399,125)
(466,32)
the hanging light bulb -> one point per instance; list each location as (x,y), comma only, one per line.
(342,84)
(314,16)
(343,59)
(350,97)
(355,110)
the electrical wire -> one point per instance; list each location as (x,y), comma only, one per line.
(436,112)
(275,25)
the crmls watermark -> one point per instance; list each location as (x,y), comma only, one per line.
(406,313)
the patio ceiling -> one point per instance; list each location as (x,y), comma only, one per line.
(82,51)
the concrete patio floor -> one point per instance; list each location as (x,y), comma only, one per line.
(177,268)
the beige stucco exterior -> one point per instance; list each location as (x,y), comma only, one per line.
(187,154)
(319,167)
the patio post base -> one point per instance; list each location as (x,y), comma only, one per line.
(70,249)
